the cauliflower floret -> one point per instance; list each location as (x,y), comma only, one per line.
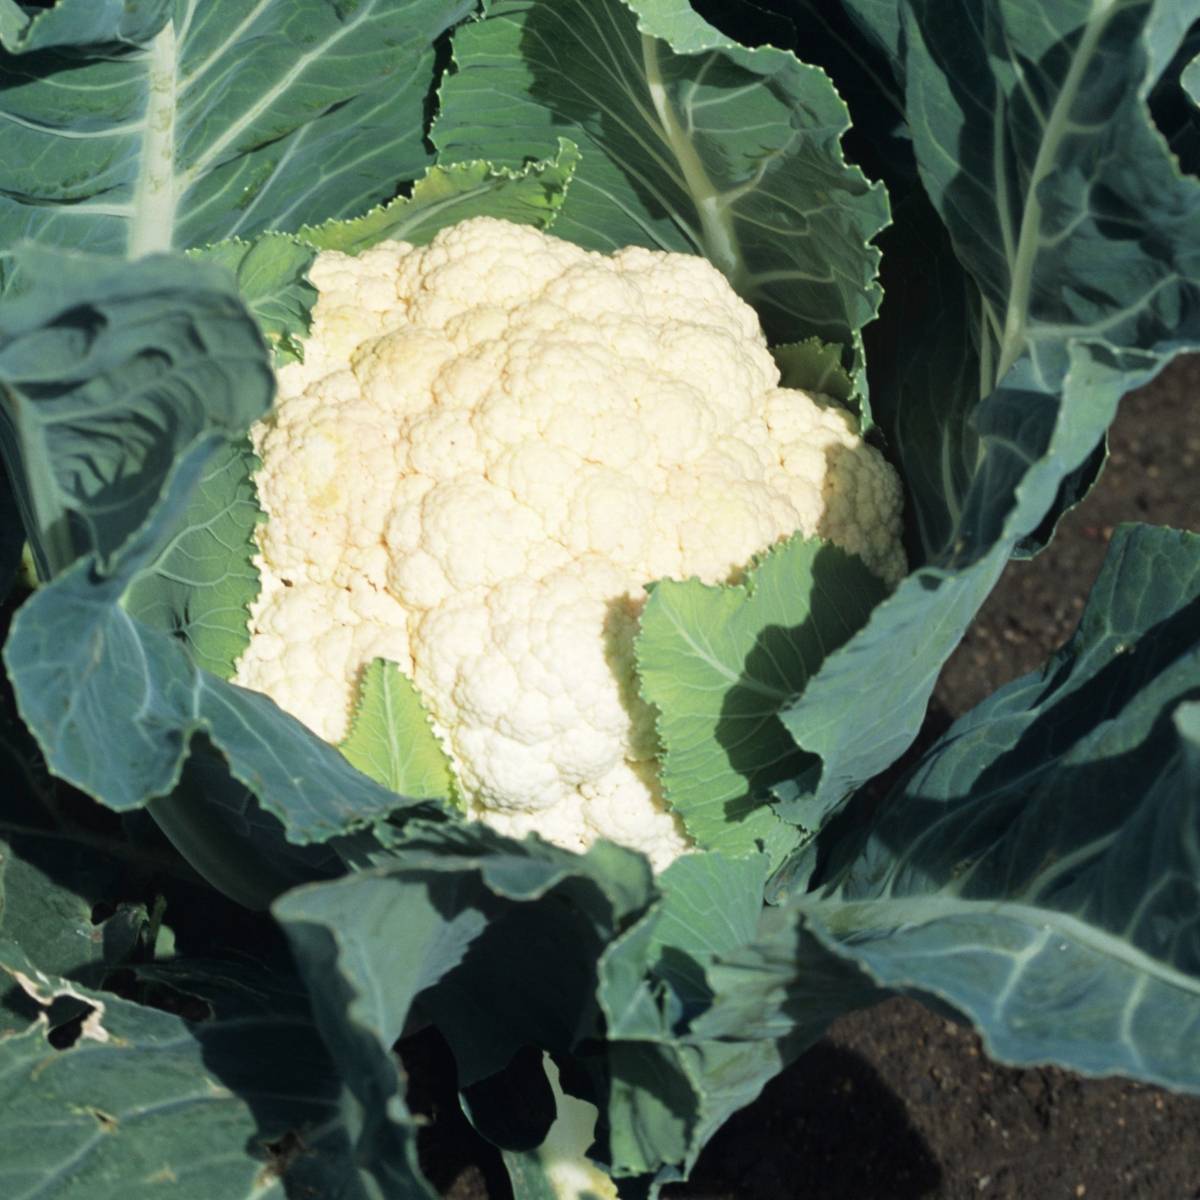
(494,442)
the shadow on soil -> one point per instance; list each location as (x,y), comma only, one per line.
(834,1131)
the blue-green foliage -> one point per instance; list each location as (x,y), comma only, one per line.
(689,142)
(212,120)
(1037,870)
(1052,839)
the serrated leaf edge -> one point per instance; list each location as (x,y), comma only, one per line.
(566,159)
(746,583)
(455,799)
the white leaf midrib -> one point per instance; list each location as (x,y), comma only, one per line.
(1023,254)
(160,181)
(720,240)
(156,190)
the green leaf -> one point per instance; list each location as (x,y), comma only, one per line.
(880,22)
(814,366)
(81,23)
(271,270)
(496,941)
(1037,149)
(711,906)
(136,698)
(1024,128)
(721,663)
(706,998)
(109,372)
(244,1104)
(124,406)
(925,374)
(1190,80)
(858,729)
(498,938)
(507,946)
(447,194)
(271,279)
(50,885)
(1044,857)
(227,120)
(1014,162)
(689,142)
(53,873)
(201,583)
(228,838)
(391,739)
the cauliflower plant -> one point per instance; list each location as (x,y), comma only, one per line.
(493,444)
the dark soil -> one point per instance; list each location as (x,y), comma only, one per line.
(897,1103)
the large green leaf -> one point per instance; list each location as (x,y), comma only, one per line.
(1040,868)
(498,940)
(1025,125)
(858,731)
(705,999)
(510,945)
(690,142)
(712,906)
(545,906)
(1079,238)
(134,698)
(77,23)
(109,372)
(1039,871)
(245,1104)
(721,663)
(223,121)
(53,872)
(119,411)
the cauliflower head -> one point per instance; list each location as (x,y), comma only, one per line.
(493,443)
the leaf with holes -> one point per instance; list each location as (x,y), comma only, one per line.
(239,1099)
